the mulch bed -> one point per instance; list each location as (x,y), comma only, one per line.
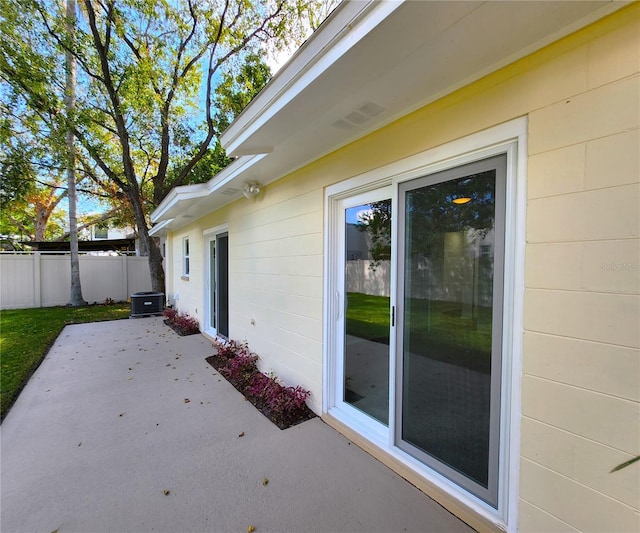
(180,331)
(290,419)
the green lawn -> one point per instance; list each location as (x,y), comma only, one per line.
(27,334)
(437,329)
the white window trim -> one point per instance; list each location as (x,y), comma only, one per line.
(509,138)
(186,263)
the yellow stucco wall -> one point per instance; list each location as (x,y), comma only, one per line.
(581,381)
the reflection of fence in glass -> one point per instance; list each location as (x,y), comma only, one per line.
(460,270)
(368,277)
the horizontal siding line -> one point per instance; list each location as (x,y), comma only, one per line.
(260,223)
(252,273)
(588,89)
(633,238)
(281,208)
(257,306)
(284,215)
(547,334)
(281,346)
(592,139)
(549,514)
(275,239)
(602,444)
(288,199)
(617,239)
(583,191)
(574,291)
(583,291)
(239,243)
(635,402)
(296,276)
(266,291)
(291,293)
(581,143)
(618,81)
(293,276)
(612,82)
(633,509)
(235,258)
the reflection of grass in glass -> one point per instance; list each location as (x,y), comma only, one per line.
(438,329)
(368,316)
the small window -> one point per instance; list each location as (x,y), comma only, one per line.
(185,255)
(101,232)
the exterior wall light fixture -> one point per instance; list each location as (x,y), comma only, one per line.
(251,190)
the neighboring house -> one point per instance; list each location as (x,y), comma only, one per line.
(504,136)
(104,231)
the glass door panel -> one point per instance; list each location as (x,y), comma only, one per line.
(222,285)
(449,360)
(367,278)
(212,284)
(218,285)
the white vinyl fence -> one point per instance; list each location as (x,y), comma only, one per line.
(41,279)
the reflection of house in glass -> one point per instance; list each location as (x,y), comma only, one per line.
(358,243)
(458,268)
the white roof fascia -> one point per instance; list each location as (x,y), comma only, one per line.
(177,194)
(161,228)
(233,171)
(192,193)
(348,24)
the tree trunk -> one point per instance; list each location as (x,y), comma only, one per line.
(76,298)
(148,246)
(42,218)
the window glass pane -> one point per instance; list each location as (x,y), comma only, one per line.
(212,283)
(367,280)
(449,245)
(185,245)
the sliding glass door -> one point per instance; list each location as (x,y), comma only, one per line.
(363,355)
(450,279)
(418,344)
(367,281)
(217,283)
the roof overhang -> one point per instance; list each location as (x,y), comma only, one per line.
(183,204)
(370,63)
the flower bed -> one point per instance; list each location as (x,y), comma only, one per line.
(182,324)
(284,406)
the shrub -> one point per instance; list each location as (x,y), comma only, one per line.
(170,313)
(284,406)
(282,402)
(285,400)
(240,369)
(229,349)
(187,323)
(182,322)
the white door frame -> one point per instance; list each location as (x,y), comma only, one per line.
(210,235)
(511,139)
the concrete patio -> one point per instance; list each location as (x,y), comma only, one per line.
(126,428)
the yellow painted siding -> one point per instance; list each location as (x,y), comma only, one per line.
(580,414)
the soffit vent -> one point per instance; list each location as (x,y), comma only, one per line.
(359,116)
(230,191)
